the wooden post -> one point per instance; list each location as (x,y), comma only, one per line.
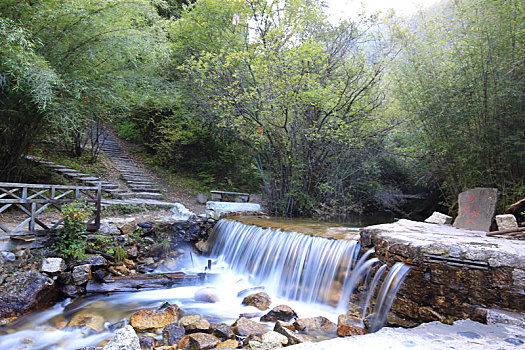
(32,221)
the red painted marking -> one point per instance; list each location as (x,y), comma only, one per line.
(470,198)
(260,130)
(466,208)
(469,221)
(474,213)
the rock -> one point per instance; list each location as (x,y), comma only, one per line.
(147,342)
(9,256)
(346,326)
(151,320)
(108,229)
(124,339)
(29,291)
(72,291)
(128,228)
(203,341)
(172,333)
(129,263)
(217,210)
(207,295)
(181,213)
(319,323)
(260,300)
(58,321)
(221,331)
(259,345)
(256,198)
(292,336)
(202,246)
(279,313)
(228,344)
(245,327)
(149,261)
(184,343)
(189,319)
(249,291)
(87,319)
(188,231)
(250,314)
(201,326)
(133,252)
(81,274)
(53,265)
(280,324)
(145,225)
(95,261)
(427,314)
(476,209)
(439,218)
(202,198)
(274,337)
(507,221)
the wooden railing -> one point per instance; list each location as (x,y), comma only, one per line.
(33,199)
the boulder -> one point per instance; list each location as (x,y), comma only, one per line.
(439,218)
(292,336)
(53,265)
(202,246)
(172,333)
(72,291)
(202,198)
(81,274)
(184,343)
(260,300)
(274,337)
(147,342)
(95,261)
(189,319)
(9,256)
(221,331)
(203,341)
(245,327)
(476,209)
(249,291)
(87,319)
(29,291)
(108,229)
(320,323)
(279,313)
(181,213)
(150,320)
(506,222)
(124,339)
(280,324)
(201,326)
(128,228)
(228,344)
(346,326)
(207,295)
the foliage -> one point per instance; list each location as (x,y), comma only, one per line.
(71,239)
(120,253)
(459,80)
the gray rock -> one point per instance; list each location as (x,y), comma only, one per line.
(207,295)
(9,256)
(81,274)
(518,276)
(216,210)
(274,337)
(221,331)
(108,229)
(95,261)
(245,327)
(147,342)
(202,198)
(172,333)
(53,265)
(181,213)
(439,218)
(319,323)
(506,222)
(279,313)
(203,341)
(256,198)
(124,339)
(476,209)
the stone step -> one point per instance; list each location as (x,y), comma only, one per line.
(140,188)
(148,195)
(88,178)
(132,183)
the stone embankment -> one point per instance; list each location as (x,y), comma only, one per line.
(455,274)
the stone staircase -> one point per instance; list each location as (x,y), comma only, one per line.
(139,183)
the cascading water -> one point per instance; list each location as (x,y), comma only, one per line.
(305,268)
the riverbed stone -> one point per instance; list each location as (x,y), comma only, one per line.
(53,265)
(221,331)
(124,339)
(147,342)
(439,218)
(186,320)
(173,333)
(245,327)
(279,313)
(152,320)
(259,345)
(95,261)
(260,300)
(319,323)
(87,319)
(506,222)
(81,274)
(477,207)
(9,256)
(346,326)
(207,295)
(274,337)
(203,341)
(184,343)
(29,291)
(228,344)
(201,326)
(73,291)
(292,336)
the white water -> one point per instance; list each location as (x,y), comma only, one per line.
(305,272)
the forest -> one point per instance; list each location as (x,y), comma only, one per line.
(274,97)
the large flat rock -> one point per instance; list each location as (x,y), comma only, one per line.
(415,239)
(216,210)
(463,335)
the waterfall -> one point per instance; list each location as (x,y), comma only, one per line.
(305,268)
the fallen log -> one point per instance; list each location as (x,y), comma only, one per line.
(142,282)
(516,207)
(507,231)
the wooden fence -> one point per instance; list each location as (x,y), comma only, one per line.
(33,199)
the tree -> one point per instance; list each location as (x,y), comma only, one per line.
(300,92)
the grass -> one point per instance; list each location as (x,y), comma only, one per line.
(118,209)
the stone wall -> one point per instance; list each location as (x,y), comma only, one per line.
(455,273)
